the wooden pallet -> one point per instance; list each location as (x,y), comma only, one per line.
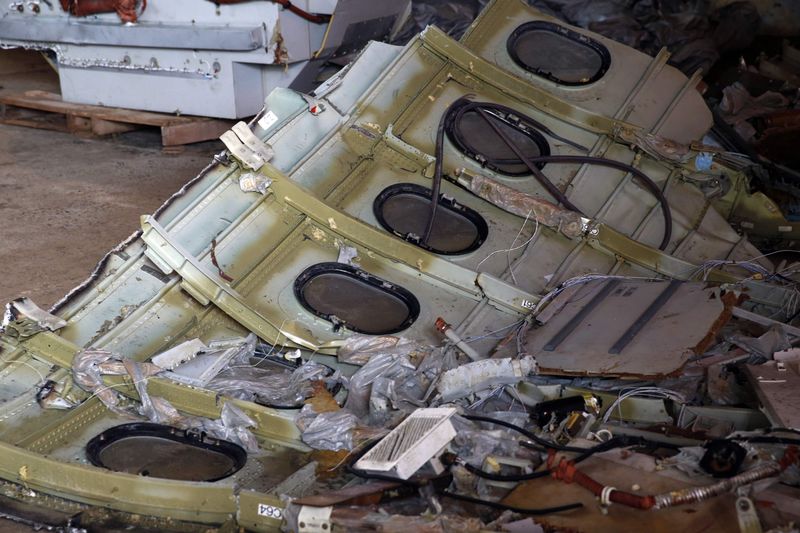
(45,110)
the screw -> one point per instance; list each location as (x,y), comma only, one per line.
(744,505)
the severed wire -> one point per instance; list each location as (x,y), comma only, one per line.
(647,392)
(513,248)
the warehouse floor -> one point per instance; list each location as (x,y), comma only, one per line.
(66,200)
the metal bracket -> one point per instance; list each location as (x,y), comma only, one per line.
(262,149)
(746,513)
(314,519)
(206,287)
(242,143)
(425,161)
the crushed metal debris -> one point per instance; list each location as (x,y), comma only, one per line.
(466,288)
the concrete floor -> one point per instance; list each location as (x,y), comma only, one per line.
(66,200)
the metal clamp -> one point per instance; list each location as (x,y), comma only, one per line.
(246,147)
(314,519)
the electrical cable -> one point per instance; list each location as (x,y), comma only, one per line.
(504,507)
(350,468)
(535,438)
(532,162)
(649,184)
(584,453)
(767,440)
(437,173)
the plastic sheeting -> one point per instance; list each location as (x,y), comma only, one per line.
(90,365)
(278,387)
(695,33)
(384,365)
(327,431)
(762,348)
(359,349)
(737,106)
(692,30)
(451,17)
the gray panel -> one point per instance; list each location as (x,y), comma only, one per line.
(141,35)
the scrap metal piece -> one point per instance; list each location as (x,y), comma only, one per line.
(748,517)
(241,152)
(259,147)
(314,519)
(581,315)
(645,317)
(251,182)
(579,338)
(778,391)
(23,318)
(49,397)
(177,355)
(448,332)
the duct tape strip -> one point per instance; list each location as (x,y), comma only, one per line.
(314,519)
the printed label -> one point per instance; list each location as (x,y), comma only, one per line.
(268,120)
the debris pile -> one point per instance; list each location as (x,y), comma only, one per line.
(463,285)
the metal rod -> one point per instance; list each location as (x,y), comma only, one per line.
(570,326)
(645,317)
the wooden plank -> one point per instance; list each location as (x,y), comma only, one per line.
(51,102)
(108,127)
(77,123)
(175,130)
(200,130)
(37,124)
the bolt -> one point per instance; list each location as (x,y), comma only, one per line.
(744,505)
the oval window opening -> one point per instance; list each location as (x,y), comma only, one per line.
(350,297)
(558,54)
(403,209)
(470,133)
(165,452)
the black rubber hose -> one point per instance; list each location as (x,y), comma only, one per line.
(555,192)
(643,178)
(437,174)
(535,438)
(504,507)
(585,453)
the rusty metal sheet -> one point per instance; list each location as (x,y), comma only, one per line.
(615,327)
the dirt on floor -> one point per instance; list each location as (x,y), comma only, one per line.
(66,200)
